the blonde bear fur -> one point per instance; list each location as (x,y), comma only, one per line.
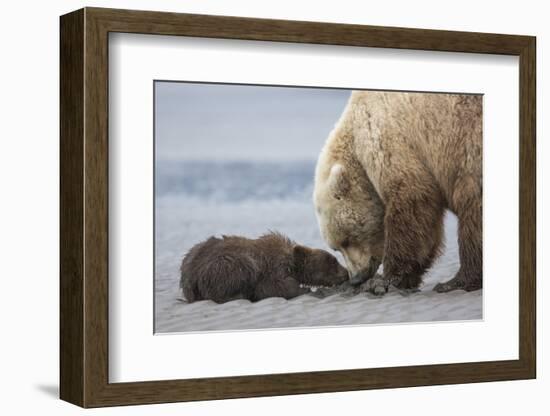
(389,169)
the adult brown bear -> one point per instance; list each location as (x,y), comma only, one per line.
(388,171)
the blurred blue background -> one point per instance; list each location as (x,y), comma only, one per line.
(235,159)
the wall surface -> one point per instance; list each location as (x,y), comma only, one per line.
(29,211)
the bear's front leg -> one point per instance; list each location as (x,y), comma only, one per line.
(413,226)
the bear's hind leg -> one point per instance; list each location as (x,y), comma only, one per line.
(469,276)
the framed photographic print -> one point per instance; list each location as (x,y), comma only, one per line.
(255,207)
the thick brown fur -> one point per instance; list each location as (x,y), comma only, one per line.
(231,267)
(391,167)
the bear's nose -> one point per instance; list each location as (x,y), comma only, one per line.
(365,274)
(343,274)
(359,278)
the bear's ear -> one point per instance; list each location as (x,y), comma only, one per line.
(337,181)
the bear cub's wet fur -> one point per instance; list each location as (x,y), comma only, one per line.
(232,267)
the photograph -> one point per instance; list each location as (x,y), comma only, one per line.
(234,187)
(279,207)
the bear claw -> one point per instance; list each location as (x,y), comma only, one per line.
(452,284)
(378,286)
(379,290)
(456,284)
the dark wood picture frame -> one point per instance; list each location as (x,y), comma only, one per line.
(84,207)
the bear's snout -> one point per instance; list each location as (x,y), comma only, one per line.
(365,274)
(342,275)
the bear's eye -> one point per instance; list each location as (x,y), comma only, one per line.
(345,243)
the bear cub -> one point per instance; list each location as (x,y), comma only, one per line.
(232,267)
